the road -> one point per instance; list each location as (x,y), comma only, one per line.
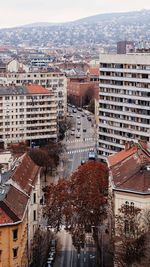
(77,149)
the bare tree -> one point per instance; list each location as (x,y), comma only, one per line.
(129,238)
(40,247)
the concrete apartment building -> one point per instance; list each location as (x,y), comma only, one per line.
(27,113)
(124,101)
(51,78)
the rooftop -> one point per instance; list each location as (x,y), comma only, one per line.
(130,169)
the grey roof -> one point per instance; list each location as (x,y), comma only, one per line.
(13,90)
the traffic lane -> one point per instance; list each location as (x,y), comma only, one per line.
(74,161)
(66,250)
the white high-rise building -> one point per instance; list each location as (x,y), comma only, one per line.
(124,101)
(52,79)
(27,114)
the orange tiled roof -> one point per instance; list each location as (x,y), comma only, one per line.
(36,89)
(115,158)
(13,206)
(130,170)
(4,218)
(26,173)
(94,71)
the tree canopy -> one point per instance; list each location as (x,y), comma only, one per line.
(78,202)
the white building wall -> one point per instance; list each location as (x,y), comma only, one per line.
(124,101)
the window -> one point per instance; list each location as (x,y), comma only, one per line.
(34,215)
(15,252)
(126,206)
(15,234)
(132,207)
(34,198)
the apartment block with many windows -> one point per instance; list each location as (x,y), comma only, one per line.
(27,113)
(124,101)
(52,79)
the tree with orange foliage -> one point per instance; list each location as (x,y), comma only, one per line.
(78,202)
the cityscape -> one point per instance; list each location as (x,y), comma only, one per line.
(75,135)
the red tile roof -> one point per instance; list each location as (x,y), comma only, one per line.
(94,71)
(123,154)
(13,206)
(130,170)
(36,89)
(4,218)
(25,174)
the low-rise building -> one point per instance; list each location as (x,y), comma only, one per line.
(20,212)
(13,227)
(129,176)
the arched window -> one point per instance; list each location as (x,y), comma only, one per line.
(126,206)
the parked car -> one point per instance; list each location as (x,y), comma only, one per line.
(78,117)
(79,122)
(74,111)
(89,118)
(82,161)
(78,135)
(80,109)
(84,130)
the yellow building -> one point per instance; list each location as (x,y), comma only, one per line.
(13,227)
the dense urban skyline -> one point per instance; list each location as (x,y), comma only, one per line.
(14,14)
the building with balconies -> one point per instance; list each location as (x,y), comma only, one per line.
(51,78)
(124,101)
(27,114)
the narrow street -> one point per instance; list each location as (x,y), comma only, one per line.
(79,141)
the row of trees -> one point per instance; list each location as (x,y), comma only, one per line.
(78,202)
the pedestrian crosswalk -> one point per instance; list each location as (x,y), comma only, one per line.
(80,140)
(78,151)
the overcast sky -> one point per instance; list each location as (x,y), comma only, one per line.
(19,12)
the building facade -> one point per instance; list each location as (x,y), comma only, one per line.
(27,113)
(52,79)
(124,101)
(129,188)
(20,212)
(13,227)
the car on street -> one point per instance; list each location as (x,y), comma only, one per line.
(78,117)
(79,122)
(74,111)
(72,133)
(82,161)
(78,129)
(92,155)
(83,115)
(84,130)
(79,109)
(89,118)
(78,135)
